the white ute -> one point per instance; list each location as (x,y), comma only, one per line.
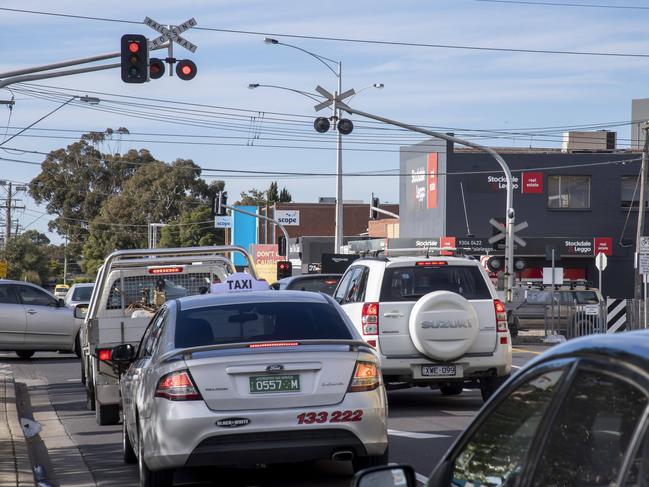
(131,286)
(434,321)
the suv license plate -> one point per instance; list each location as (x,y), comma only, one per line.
(439,370)
(262,384)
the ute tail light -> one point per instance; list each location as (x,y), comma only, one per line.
(177,386)
(367,377)
(370,318)
(501,320)
(104,354)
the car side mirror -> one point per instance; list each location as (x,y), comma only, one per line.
(60,303)
(80,311)
(123,354)
(385,476)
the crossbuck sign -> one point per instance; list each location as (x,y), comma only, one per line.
(171,34)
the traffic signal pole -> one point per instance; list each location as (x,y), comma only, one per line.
(509,207)
(262,217)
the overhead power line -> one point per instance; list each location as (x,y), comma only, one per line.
(351,39)
(567,4)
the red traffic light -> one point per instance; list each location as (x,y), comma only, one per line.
(134,47)
(186,69)
(284,269)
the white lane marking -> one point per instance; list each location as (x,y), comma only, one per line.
(516,366)
(422,479)
(73,380)
(414,435)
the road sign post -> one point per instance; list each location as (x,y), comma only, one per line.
(170,34)
(600,262)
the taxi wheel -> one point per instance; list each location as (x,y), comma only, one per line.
(24,354)
(451,388)
(360,463)
(127,448)
(149,478)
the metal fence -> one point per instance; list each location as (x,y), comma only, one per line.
(573,320)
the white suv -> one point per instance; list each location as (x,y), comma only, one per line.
(434,321)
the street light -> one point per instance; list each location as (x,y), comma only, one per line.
(328,63)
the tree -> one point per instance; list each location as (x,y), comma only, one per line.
(75,181)
(156,193)
(272,194)
(27,258)
(253,197)
(285,196)
(194,228)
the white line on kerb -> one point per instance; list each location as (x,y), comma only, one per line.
(414,435)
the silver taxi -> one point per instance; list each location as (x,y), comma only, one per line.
(250,378)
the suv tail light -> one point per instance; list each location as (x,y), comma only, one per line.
(367,377)
(104,354)
(177,386)
(370,318)
(501,320)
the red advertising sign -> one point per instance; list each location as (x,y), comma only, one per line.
(431,180)
(532,183)
(605,245)
(447,242)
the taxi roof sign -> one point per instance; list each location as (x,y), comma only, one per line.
(239,282)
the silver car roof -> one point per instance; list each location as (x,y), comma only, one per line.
(194,302)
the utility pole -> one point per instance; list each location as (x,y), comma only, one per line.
(638,294)
(339,232)
(8,214)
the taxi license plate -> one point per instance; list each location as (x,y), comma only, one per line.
(439,370)
(262,384)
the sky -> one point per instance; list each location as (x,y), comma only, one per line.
(220,124)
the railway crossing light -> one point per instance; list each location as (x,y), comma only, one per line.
(156,68)
(135,58)
(321,125)
(345,126)
(186,69)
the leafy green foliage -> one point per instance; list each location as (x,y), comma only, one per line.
(27,258)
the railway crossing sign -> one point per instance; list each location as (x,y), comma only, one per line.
(499,226)
(171,34)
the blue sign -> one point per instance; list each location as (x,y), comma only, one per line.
(244,231)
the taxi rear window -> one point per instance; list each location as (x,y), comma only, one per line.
(411,283)
(259,322)
(318,284)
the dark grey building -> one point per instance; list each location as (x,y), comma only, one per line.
(581,203)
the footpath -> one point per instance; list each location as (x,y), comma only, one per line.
(15,466)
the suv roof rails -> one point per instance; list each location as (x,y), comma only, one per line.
(415,252)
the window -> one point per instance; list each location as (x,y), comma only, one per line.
(411,283)
(259,322)
(569,192)
(82,293)
(151,334)
(7,295)
(630,192)
(346,286)
(318,284)
(593,430)
(32,296)
(496,453)
(638,474)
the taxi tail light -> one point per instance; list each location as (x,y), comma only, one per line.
(370,318)
(367,377)
(104,354)
(178,386)
(501,316)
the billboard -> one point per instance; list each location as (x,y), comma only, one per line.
(266,257)
(244,231)
(422,191)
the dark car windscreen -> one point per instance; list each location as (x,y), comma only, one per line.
(411,283)
(259,322)
(319,284)
(586,297)
(82,293)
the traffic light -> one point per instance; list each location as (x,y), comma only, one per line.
(135,58)
(219,204)
(374,203)
(321,125)
(281,247)
(186,69)
(284,269)
(156,68)
(345,126)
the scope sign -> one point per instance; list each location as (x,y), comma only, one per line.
(288,218)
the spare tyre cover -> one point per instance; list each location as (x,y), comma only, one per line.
(443,325)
